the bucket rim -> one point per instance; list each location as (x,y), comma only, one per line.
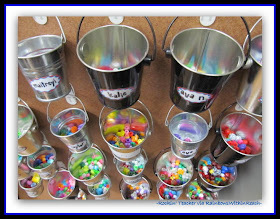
(224,139)
(192,142)
(260,64)
(112,71)
(35,37)
(118,148)
(57,115)
(31,123)
(219,187)
(207,74)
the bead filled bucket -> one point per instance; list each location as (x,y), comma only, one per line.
(171,170)
(30,139)
(70,126)
(101,190)
(203,59)
(125,131)
(61,185)
(88,167)
(32,185)
(114,56)
(238,139)
(43,162)
(42,62)
(167,193)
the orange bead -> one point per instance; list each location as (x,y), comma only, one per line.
(74,129)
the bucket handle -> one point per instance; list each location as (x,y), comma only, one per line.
(148,58)
(146,108)
(168,51)
(73,96)
(210,115)
(63,37)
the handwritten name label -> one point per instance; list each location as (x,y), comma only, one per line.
(45,84)
(117,94)
(78,146)
(193,96)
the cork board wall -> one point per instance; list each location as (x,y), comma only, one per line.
(154,89)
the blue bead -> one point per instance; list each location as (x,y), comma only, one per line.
(242,146)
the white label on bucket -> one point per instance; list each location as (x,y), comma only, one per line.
(126,155)
(45,84)
(188,152)
(77,146)
(193,96)
(117,94)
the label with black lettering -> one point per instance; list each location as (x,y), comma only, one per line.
(45,84)
(117,94)
(193,96)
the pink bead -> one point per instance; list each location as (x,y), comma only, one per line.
(101,161)
(88,175)
(81,177)
(240,141)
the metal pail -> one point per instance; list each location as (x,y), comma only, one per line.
(30,139)
(203,59)
(42,62)
(88,167)
(43,162)
(70,126)
(238,139)
(171,170)
(194,191)
(101,190)
(187,131)
(165,192)
(23,169)
(61,185)
(138,191)
(33,189)
(249,95)
(125,131)
(214,177)
(132,171)
(114,56)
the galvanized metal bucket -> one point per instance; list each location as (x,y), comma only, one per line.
(165,192)
(163,163)
(246,127)
(48,171)
(112,127)
(203,59)
(94,189)
(32,192)
(74,165)
(30,138)
(78,141)
(249,95)
(114,56)
(187,131)
(42,62)
(62,185)
(23,169)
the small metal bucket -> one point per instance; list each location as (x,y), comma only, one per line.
(114,124)
(32,192)
(203,59)
(42,62)
(104,185)
(30,138)
(114,56)
(62,185)
(164,162)
(165,192)
(45,172)
(247,127)
(187,131)
(138,191)
(141,160)
(194,192)
(75,166)
(78,141)
(249,95)
(206,183)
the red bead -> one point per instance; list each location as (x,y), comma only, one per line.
(248,150)
(245,141)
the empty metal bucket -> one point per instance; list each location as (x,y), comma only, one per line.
(227,150)
(249,95)
(30,139)
(42,62)
(114,56)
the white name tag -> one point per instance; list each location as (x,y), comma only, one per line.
(45,84)
(117,94)
(193,96)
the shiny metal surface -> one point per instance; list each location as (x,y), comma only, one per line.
(114,56)
(203,60)
(42,62)
(249,95)
(250,127)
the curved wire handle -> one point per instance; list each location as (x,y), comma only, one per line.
(63,37)
(250,32)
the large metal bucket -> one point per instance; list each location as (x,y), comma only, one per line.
(249,95)
(30,138)
(226,147)
(114,56)
(203,59)
(42,62)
